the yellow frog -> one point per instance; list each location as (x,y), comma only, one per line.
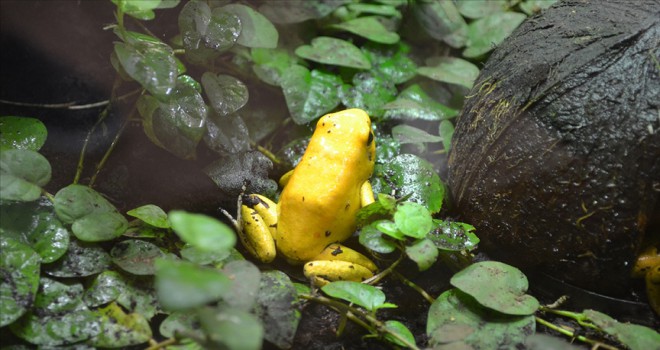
(318,204)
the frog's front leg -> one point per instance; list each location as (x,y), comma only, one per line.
(258,220)
(339,263)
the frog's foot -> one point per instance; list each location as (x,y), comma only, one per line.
(339,263)
(648,266)
(258,220)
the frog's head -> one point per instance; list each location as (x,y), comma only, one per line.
(349,132)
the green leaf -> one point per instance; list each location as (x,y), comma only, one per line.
(441,20)
(19,265)
(205,33)
(389,228)
(202,257)
(401,331)
(634,337)
(455,319)
(149,62)
(486,33)
(270,64)
(277,308)
(296,11)
(309,95)
(136,256)
(334,52)
(140,9)
(93,218)
(451,70)
(369,297)
(422,252)
(182,285)
(231,329)
(151,214)
(373,239)
(368,92)
(56,330)
(446,130)
(497,286)
(256,30)
(414,103)
(408,174)
(478,9)
(181,322)
(370,28)
(22,174)
(413,219)
(409,134)
(35,224)
(531,7)
(227,135)
(389,9)
(22,133)
(134,294)
(453,236)
(203,232)
(232,173)
(81,259)
(226,93)
(392,61)
(177,124)
(245,278)
(119,329)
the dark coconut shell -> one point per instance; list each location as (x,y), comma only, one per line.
(556,155)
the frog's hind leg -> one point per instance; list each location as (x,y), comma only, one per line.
(339,263)
(258,221)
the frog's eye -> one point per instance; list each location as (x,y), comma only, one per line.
(370,139)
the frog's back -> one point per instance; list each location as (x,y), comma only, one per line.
(318,205)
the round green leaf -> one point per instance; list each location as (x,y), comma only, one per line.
(277,308)
(202,257)
(256,30)
(309,94)
(180,322)
(446,131)
(151,214)
(232,173)
(441,20)
(412,175)
(451,70)
(478,9)
(226,93)
(497,286)
(370,28)
(413,219)
(230,328)
(19,266)
(182,285)
(369,297)
(422,252)
(227,134)
(56,298)
(22,133)
(56,330)
(372,238)
(455,319)
(270,64)
(77,201)
(453,236)
(107,287)
(81,259)
(22,173)
(398,328)
(633,336)
(119,329)
(136,256)
(334,52)
(99,227)
(134,294)
(245,277)
(391,61)
(414,103)
(205,33)
(203,232)
(369,92)
(486,33)
(405,133)
(35,224)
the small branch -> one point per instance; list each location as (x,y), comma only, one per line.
(596,344)
(414,286)
(376,278)
(163,344)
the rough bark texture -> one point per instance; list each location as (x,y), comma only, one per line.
(556,155)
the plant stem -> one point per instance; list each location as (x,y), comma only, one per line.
(414,286)
(596,344)
(376,278)
(103,160)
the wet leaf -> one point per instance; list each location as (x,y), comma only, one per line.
(277,308)
(369,297)
(368,92)
(370,28)
(226,93)
(22,133)
(19,266)
(202,257)
(400,330)
(207,33)
(391,61)
(81,259)
(134,294)
(414,103)
(453,236)
(245,278)
(372,238)
(232,329)
(256,30)
(270,64)
(182,285)
(227,135)
(450,70)
(35,224)
(97,227)
(478,9)
(295,11)
(22,174)
(446,130)
(231,173)
(409,134)
(64,329)
(486,33)
(505,287)
(203,232)
(413,219)
(148,61)
(412,176)
(423,253)
(634,337)
(136,256)
(151,214)
(56,298)
(455,319)
(334,52)
(176,124)
(309,95)
(181,322)
(119,329)
(442,21)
